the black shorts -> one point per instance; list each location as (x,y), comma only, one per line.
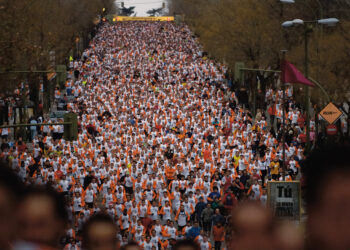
(275,176)
(129,190)
(55,136)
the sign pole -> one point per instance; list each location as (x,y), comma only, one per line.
(307,94)
(284,115)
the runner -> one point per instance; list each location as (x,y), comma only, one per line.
(158,135)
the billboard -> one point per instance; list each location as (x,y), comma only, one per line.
(284,199)
(148,18)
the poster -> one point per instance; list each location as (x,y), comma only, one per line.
(284,198)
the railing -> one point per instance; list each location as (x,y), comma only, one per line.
(35,124)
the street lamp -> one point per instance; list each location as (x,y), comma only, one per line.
(307,30)
(298,22)
(287,24)
(287,1)
(328,21)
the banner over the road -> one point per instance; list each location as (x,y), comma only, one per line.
(146,18)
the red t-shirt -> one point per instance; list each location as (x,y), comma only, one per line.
(59,174)
(302,138)
(147,222)
(301,121)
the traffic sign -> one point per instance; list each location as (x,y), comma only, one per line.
(332,129)
(331,113)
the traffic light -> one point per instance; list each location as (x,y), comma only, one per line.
(163,5)
(239,74)
(71,130)
(61,75)
(114,19)
(122,3)
(178,19)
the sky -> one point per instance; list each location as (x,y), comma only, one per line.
(142,6)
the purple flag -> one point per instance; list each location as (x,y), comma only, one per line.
(290,74)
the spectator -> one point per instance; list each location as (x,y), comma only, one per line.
(186,245)
(251,227)
(4,145)
(288,236)
(42,217)
(99,232)
(4,131)
(11,190)
(327,173)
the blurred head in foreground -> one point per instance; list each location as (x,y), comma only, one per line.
(100,233)
(42,217)
(186,245)
(10,192)
(288,236)
(327,175)
(131,246)
(251,227)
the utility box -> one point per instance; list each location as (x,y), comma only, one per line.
(239,74)
(71,130)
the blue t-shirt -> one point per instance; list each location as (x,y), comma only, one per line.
(193,232)
(214,195)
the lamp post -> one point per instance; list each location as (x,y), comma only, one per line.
(283,115)
(287,1)
(307,90)
(307,31)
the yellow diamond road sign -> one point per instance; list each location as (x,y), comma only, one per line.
(331,113)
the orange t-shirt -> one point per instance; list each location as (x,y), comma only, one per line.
(218,233)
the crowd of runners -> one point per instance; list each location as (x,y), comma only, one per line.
(164,146)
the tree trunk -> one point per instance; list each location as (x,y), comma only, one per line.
(348,122)
(34,93)
(47,93)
